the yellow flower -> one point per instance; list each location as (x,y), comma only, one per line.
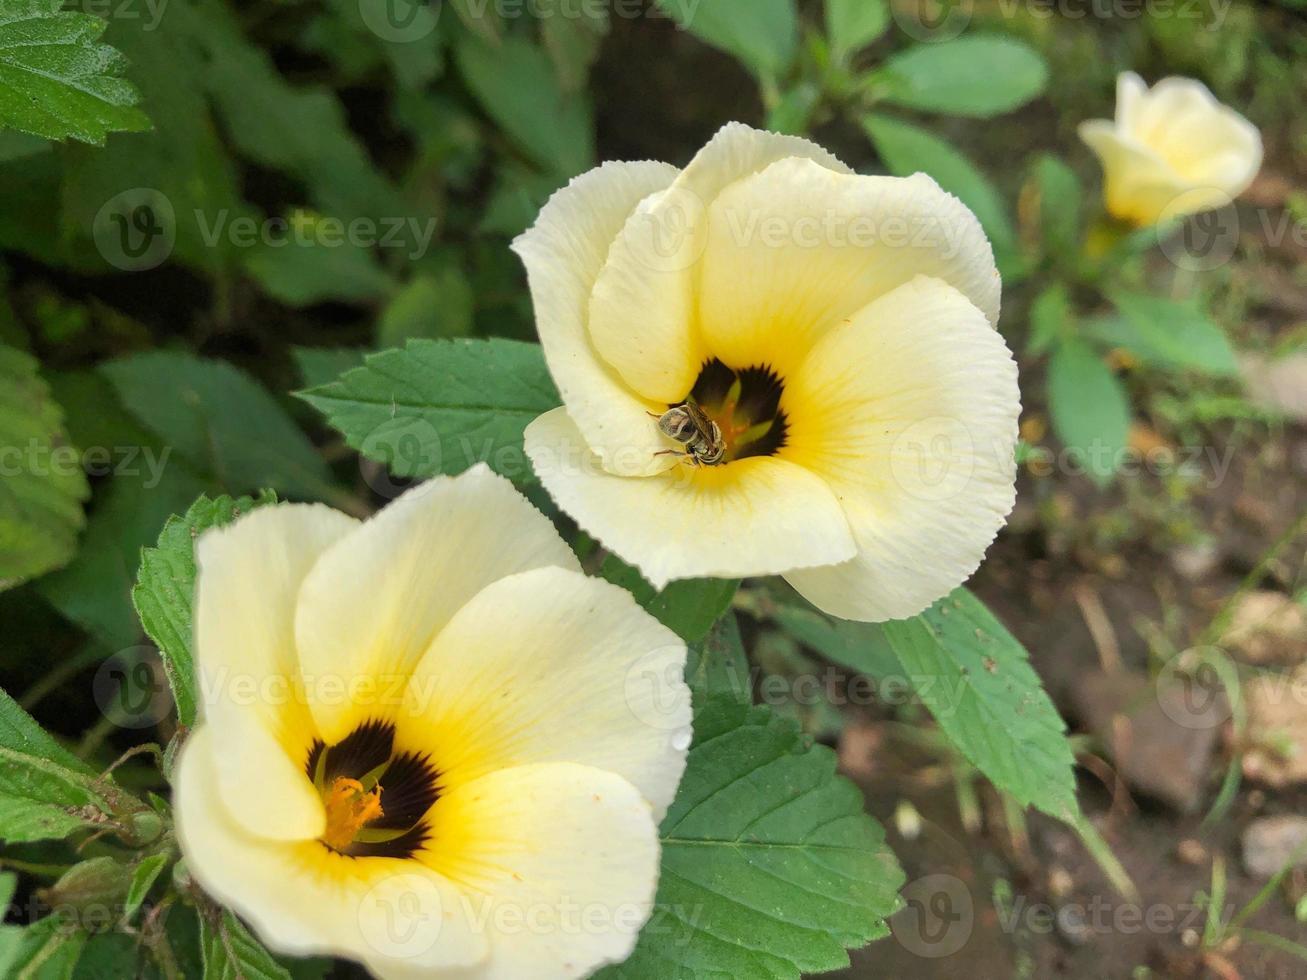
(836,329)
(429,742)
(1173,150)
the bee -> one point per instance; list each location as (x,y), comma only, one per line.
(700,435)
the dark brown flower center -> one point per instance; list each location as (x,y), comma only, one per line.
(745,404)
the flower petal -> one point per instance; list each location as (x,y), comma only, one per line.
(909,411)
(375,600)
(1138,185)
(563,863)
(249,575)
(302,898)
(642,312)
(754,516)
(563,253)
(798,248)
(552,666)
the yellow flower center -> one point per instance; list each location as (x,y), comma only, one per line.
(350,808)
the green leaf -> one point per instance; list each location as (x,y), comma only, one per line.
(184,164)
(44,484)
(862,646)
(95,591)
(688,607)
(975,678)
(770,867)
(764,34)
(1051,319)
(793,113)
(853,24)
(717,668)
(1060,201)
(322,365)
(144,875)
(978,75)
(56,81)
(515,84)
(45,792)
(165,588)
(907,149)
(1089,408)
(439,406)
(316,264)
(432,306)
(231,953)
(1168,334)
(48,949)
(221,421)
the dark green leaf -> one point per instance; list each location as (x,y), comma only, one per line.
(48,949)
(517,87)
(977,75)
(144,875)
(221,421)
(440,406)
(165,588)
(861,646)
(56,80)
(431,306)
(322,365)
(1089,408)
(977,681)
(43,487)
(764,34)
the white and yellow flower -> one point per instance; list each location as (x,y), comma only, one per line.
(429,742)
(838,329)
(1172,150)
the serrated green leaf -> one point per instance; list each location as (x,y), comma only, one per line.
(763,34)
(316,264)
(440,406)
(1169,334)
(56,80)
(516,86)
(44,485)
(165,588)
(689,607)
(221,421)
(976,679)
(1089,407)
(853,24)
(770,867)
(231,953)
(907,149)
(978,75)
(46,793)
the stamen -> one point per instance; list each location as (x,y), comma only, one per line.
(350,808)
